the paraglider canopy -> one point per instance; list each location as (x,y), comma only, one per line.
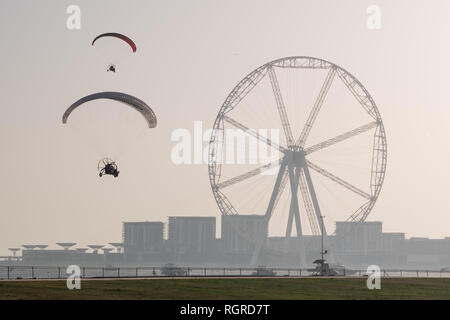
(127,99)
(119,36)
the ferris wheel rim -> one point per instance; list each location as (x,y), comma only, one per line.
(379,150)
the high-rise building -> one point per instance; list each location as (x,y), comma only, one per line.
(192,234)
(359,237)
(241,233)
(393,242)
(143,237)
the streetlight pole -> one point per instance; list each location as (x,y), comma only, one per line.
(321,225)
(322,264)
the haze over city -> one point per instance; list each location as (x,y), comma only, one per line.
(190,56)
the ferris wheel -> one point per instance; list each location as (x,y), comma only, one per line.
(331,148)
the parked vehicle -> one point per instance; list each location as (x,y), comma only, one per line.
(263,271)
(172,270)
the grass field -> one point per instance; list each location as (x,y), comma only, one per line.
(230,289)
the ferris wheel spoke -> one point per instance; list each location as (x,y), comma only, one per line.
(276,190)
(281,108)
(316,108)
(338,180)
(273,199)
(249,174)
(341,137)
(253,133)
(284,180)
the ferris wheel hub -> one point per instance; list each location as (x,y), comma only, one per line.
(295,158)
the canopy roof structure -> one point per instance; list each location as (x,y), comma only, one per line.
(66,245)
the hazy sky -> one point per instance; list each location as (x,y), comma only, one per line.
(190,55)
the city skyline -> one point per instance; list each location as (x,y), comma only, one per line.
(191,241)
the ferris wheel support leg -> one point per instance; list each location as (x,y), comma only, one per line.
(312,192)
(294,210)
(276,190)
(287,239)
(289,225)
(291,212)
